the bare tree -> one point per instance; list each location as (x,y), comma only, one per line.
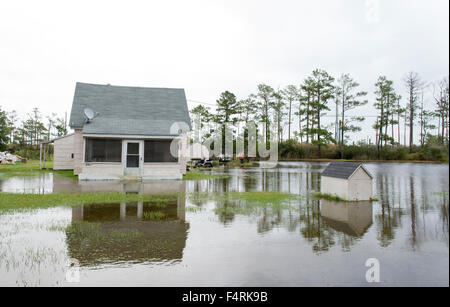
(290,94)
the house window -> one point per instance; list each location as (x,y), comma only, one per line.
(159,151)
(98,150)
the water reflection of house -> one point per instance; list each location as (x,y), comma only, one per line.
(132,232)
(350,218)
(61,184)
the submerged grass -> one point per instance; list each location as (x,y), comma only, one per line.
(12,201)
(154,216)
(197,175)
(336,198)
(249,197)
(92,232)
(445,194)
(329,197)
(193,209)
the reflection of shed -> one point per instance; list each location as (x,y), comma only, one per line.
(350,218)
(348,180)
(136,232)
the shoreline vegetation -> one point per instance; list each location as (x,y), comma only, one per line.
(336,198)
(14,201)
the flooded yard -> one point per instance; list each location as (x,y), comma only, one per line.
(210,235)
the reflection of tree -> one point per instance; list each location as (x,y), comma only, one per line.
(270,219)
(387,222)
(314,229)
(443,215)
(390,218)
(226,211)
(322,233)
(412,202)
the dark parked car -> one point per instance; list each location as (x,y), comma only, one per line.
(224,159)
(204,163)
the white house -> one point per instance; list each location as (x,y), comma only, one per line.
(347,180)
(123,132)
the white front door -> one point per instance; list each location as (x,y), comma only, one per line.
(133,160)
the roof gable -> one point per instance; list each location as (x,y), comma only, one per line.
(343,170)
(128,110)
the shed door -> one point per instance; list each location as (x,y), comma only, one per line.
(133,158)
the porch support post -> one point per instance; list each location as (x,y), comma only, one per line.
(44,147)
(140,210)
(40,156)
(123,211)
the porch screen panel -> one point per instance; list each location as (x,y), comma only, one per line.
(159,151)
(99,150)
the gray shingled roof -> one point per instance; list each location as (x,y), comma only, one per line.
(128,110)
(343,170)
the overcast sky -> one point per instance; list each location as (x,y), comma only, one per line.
(207,47)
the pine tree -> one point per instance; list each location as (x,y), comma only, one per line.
(322,89)
(348,100)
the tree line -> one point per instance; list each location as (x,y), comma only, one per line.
(22,134)
(310,101)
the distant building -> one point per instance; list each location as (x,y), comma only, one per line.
(125,132)
(347,180)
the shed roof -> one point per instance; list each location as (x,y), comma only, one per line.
(343,170)
(128,110)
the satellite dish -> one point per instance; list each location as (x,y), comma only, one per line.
(89,113)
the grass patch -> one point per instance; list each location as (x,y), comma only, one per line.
(12,201)
(329,197)
(67,174)
(237,163)
(197,175)
(445,194)
(30,165)
(193,209)
(255,198)
(154,216)
(31,169)
(92,232)
(336,198)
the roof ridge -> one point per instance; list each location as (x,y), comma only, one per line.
(128,86)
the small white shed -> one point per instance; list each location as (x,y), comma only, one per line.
(347,180)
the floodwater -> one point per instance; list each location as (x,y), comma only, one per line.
(206,242)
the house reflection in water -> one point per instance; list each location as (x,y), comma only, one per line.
(135,232)
(349,218)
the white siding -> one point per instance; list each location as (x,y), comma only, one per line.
(162,171)
(78,151)
(334,186)
(63,150)
(101,171)
(360,186)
